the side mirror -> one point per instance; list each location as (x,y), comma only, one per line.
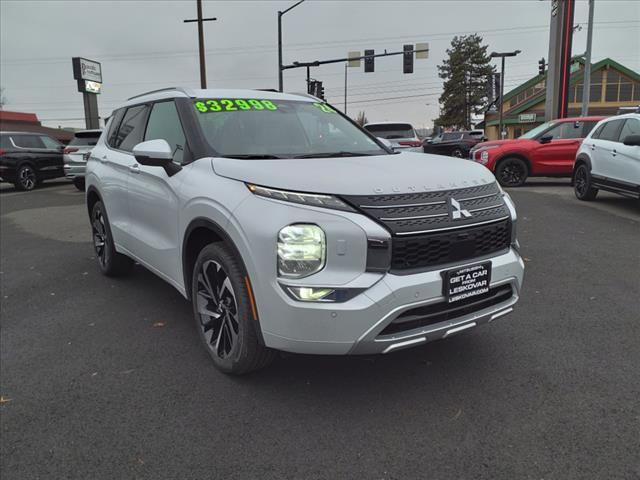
(385,142)
(546,139)
(632,140)
(156,153)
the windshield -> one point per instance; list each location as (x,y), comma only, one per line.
(255,128)
(391,130)
(539,129)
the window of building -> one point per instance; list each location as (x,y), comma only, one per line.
(619,88)
(164,124)
(595,88)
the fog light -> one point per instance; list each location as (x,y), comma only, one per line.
(311,294)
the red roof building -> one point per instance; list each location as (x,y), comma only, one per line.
(28,122)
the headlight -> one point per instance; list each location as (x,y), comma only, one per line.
(301,250)
(312,199)
(484,157)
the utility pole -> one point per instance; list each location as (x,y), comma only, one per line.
(586,87)
(345,86)
(502,55)
(200,20)
(280,69)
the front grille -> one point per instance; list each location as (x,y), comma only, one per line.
(411,213)
(423,251)
(442,311)
(425,232)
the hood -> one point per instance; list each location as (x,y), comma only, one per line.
(405,172)
(501,143)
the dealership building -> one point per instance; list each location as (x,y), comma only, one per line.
(613,87)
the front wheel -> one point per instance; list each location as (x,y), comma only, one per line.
(457,153)
(582,184)
(26,178)
(224,313)
(512,172)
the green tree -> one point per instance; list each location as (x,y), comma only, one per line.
(465,73)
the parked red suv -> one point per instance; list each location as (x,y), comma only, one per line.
(548,150)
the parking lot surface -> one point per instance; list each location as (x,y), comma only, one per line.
(105,378)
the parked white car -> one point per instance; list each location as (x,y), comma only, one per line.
(609,159)
(402,136)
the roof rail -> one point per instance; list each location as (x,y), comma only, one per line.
(179,89)
(306,95)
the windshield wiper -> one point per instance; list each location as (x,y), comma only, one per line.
(254,157)
(335,154)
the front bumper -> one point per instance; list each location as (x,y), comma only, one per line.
(358,325)
(74,169)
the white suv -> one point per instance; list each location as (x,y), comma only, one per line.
(291,228)
(609,159)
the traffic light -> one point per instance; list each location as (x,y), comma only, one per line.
(407,59)
(541,66)
(369,60)
(316,89)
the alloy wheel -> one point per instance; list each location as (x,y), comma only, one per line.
(27,178)
(100,237)
(581,184)
(457,153)
(512,173)
(217,308)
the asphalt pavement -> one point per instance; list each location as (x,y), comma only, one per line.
(105,378)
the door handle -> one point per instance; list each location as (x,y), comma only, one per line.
(135,168)
(593,146)
(103,159)
(614,153)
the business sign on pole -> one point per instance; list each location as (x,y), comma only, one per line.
(354,59)
(88,73)
(422,51)
(527,118)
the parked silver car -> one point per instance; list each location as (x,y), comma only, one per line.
(290,228)
(402,136)
(76,155)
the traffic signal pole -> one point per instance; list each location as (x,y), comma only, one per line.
(200,21)
(280,66)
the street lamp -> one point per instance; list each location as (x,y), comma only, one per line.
(280,14)
(502,55)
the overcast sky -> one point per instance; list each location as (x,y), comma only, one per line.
(144,45)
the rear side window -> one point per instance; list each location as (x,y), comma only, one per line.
(391,130)
(50,143)
(164,124)
(588,126)
(28,141)
(631,127)
(131,128)
(113,127)
(611,130)
(5,142)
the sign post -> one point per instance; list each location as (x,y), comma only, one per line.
(88,73)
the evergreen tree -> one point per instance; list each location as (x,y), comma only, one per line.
(465,73)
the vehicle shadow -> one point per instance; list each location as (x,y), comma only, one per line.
(47,185)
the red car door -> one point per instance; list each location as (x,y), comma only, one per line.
(557,149)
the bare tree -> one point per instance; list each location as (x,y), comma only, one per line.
(361,119)
(3,99)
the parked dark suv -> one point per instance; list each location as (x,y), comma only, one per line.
(454,144)
(26,159)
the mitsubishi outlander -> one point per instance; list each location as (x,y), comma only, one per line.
(291,228)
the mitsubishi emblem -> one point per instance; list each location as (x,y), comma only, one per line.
(457,212)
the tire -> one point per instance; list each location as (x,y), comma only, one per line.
(26,178)
(78,182)
(110,262)
(457,152)
(223,312)
(582,184)
(512,172)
